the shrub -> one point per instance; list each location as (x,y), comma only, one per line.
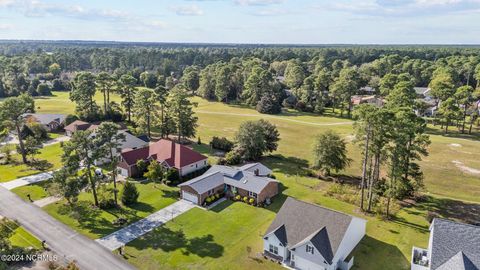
(172,175)
(233,158)
(251,201)
(107,204)
(268,104)
(238,197)
(130,193)
(208,200)
(221,144)
(217,196)
(38,130)
(245,199)
(44,90)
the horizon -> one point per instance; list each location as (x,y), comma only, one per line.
(362,22)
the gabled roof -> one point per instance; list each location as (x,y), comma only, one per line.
(46,119)
(252,167)
(305,222)
(77,125)
(458,262)
(231,176)
(451,239)
(173,154)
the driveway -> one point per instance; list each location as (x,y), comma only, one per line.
(27,180)
(141,227)
(56,140)
(65,242)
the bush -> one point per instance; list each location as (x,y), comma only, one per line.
(245,199)
(251,201)
(238,197)
(217,196)
(107,204)
(172,175)
(130,193)
(39,131)
(44,90)
(208,200)
(221,144)
(233,158)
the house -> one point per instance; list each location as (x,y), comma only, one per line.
(370,99)
(250,180)
(51,122)
(451,245)
(131,142)
(308,236)
(78,125)
(75,126)
(167,153)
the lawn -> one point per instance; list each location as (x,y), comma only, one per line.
(22,238)
(59,102)
(37,191)
(51,153)
(96,223)
(228,237)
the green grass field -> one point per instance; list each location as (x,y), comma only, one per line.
(59,102)
(96,223)
(22,238)
(36,191)
(51,153)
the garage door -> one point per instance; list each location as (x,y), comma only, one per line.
(123,172)
(190,197)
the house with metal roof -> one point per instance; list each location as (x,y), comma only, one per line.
(251,180)
(451,246)
(309,236)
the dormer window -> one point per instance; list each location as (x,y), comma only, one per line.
(310,249)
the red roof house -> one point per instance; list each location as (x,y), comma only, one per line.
(165,152)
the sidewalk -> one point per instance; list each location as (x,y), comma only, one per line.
(141,227)
(27,180)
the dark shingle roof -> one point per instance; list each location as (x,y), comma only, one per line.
(303,222)
(452,242)
(281,235)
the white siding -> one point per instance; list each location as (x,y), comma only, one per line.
(273,240)
(305,261)
(353,235)
(305,264)
(194,167)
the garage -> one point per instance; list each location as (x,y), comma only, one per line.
(190,197)
(123,172)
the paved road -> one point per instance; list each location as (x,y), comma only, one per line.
(61,239)
(27,180)
(141,227)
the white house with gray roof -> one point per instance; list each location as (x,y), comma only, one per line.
(309,237)
(451,246)
(250,180)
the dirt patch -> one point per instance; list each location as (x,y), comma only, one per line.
(465,169)
(456,145)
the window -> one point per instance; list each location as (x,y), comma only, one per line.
(211,191)
(273,249)
(196,165)
(252,194)
(310,249)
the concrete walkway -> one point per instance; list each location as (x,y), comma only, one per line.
(27,180)
(216,203)
(56,140)
(61,239)
(46,201)
(141,227)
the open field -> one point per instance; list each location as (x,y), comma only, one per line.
(59,102)
(96,223)
(51,153)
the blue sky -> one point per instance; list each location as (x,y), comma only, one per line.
(245,21)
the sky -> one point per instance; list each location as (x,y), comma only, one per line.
(245,21)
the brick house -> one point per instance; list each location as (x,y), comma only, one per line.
(250,180)
(165,152)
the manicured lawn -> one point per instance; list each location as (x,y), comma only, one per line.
(51,153)
(297,131)
(22,238)
(37,191)
(96,223)
(59,102)
(228,237)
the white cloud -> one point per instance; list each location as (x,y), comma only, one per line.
(189,10)
(258,2)
(5,26)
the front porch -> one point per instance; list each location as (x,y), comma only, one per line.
(269,255)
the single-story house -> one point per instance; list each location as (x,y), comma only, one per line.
(51,122)
(78,125)
(75,126)
(250,180)
(370,99)
(167,153)
(308,236)
(131,142)
(451,246)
